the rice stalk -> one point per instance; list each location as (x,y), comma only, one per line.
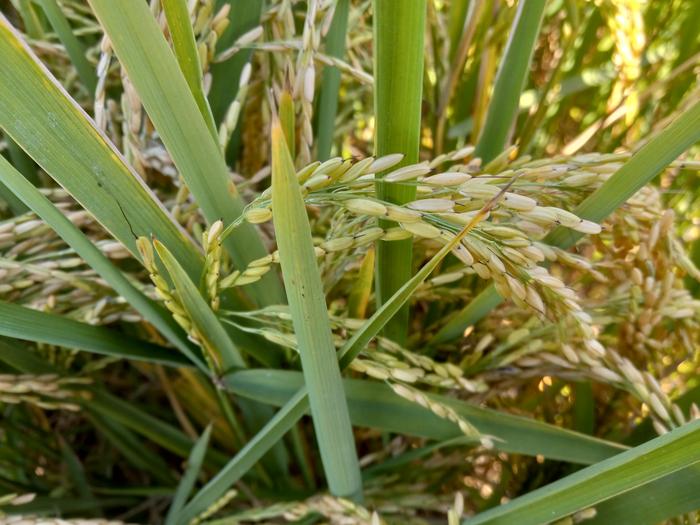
(398,71)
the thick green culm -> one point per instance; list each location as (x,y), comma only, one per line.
(399,29)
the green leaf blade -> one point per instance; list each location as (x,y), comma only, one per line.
(152,68)
(640,169)
(243,16)
(510,79)
(664,455)
(21,322)
(40,116)
(248,456)
(189,478)
(185,47)
(215,340)
(330,81)
(654,502)
(311,325)
(375,405)
(73,46)
(45,209)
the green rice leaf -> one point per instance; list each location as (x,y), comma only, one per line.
(143,52)
(40,116)
(640,169)
(510,79)
(13,204)
(132,417)
(375,405)
(312,328)
(131,448)
(33,325)
(330,81)
(398,72)
(75,469)
(653,460)
(189,478)
(32,23)
(246,458)
(15,354)
(23,162)
(185,47)
(77,240)
(243,16)
(215,340)
(74,48)
(659,500)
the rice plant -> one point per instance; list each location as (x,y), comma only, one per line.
(349,261)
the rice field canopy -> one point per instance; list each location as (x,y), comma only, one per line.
(349,262)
